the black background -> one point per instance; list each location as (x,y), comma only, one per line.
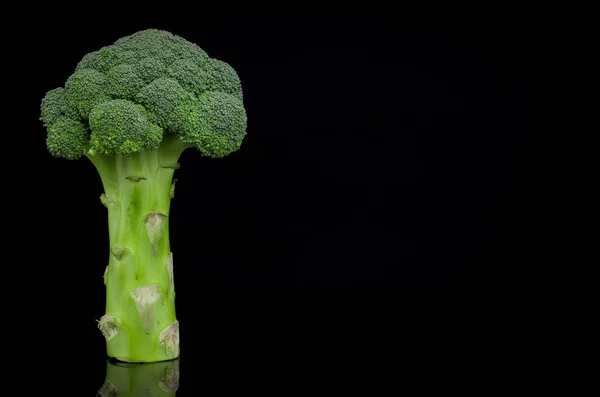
(381,152)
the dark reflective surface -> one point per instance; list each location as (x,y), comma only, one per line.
(140,380)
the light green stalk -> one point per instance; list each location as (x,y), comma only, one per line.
(147,380)
(140,324)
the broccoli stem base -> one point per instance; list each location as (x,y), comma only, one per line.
(140,324)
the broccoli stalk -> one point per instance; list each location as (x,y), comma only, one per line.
(132,108)
(140,293)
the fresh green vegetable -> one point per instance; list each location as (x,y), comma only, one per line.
(132,108)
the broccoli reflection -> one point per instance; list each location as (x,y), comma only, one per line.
(159,379)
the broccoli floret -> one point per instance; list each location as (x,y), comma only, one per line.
(123,81)
(132,108)
(215,123)
(221,77)
(121,127)
(85,89)
(186,50)
(55,106)
(67,138)
(161,45)
(189,74)
(150,69)
(161,98)
(106,58)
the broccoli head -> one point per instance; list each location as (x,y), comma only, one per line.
(132,108)
(166,76)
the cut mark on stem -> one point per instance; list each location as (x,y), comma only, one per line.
(109,326)
(172,189)
(169,338)
(144,298)
(171,166)
(107,202)
(119,251)
(108,390)
(169,264)
(135,179)
(170,383)
(154,227)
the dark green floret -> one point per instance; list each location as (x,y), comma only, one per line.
(85,89)
(150,69)
(161,98)
(124,81)
(215,123)
(121,127)
(55,106)
(222,78)
(189,74)
(67,138)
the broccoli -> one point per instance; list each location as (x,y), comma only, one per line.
(132,108)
